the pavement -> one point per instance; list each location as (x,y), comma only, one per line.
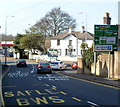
(94,79)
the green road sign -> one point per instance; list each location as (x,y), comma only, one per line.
(106,38)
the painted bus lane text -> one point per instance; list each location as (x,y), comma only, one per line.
(39,97)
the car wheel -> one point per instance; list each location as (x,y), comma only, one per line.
(66,67)
(37,72)
(60,68)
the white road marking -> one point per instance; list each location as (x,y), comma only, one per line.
(54,87)
(92,103)
(32,71)
(18,74)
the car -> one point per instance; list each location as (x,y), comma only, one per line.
(58,65)
(10,54)
(44,67)
(74,65)
(21,63)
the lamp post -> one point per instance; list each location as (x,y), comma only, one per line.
(5,38)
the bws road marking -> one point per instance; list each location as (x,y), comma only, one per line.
(39,100)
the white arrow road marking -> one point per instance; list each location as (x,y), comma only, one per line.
(32,71)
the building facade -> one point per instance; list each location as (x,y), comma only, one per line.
(68,44)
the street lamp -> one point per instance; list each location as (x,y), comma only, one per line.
(5,38)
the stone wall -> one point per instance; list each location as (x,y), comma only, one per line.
(102,65)
(117,65)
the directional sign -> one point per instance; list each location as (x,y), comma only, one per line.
(103,48)
(106,38)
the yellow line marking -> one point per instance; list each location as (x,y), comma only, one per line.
(63,93)
(93,82)
(3,102)
(8,86)
(54,88)
(76,98)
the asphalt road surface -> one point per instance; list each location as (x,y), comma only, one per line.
(22,86)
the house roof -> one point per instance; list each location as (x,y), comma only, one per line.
(60,36)
(79,35)
(86,35)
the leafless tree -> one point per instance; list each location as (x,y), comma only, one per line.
(54,23)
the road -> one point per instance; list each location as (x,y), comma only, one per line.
(22,86)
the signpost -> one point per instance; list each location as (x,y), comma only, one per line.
(105,40)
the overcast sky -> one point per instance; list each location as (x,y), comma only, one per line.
(28,12)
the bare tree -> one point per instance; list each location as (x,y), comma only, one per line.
(54,23)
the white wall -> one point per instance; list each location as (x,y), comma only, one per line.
(64,44)
(16,55)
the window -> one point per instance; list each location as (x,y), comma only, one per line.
(66,51)
(58,42)
(70,42)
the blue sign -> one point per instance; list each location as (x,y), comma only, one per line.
(103,48)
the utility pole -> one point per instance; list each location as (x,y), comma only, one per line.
(5,38)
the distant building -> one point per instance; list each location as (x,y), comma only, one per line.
(6,41)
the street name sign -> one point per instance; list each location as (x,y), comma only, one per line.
(106,38)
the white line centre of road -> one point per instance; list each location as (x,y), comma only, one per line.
(92,103)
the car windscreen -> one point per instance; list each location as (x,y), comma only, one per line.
(21,61)
(54,62)
(44,64)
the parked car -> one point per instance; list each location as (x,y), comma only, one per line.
(21,63)
(44,67)
(74,65)
(58,65)
(10,54)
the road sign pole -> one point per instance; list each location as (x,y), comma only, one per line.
(94,65)
(109,65)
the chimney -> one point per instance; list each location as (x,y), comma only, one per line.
(83,29)
(70,29)
(107,19)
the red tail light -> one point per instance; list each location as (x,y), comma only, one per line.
(49,66)
(39,66)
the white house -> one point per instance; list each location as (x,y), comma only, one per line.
(68,44)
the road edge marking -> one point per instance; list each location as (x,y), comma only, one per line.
(105,85)
(3,75)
